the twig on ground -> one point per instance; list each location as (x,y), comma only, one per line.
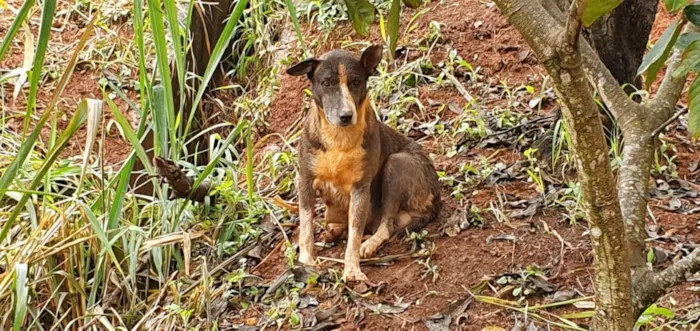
(382,259)
(668,122)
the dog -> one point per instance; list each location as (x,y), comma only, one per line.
(371,178)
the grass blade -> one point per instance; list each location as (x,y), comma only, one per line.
(295,21)
(47,15)
(394,16)
(694,108)
(161,125)
(130,135)
(14,28)
(144,87)
(249,165)
(94,110)
(215,160)
(158,27)
(171,11)
(21,295)
(176,37)
(124,178)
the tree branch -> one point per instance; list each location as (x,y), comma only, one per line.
(573,24)
(652,285)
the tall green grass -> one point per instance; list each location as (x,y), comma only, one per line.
(78,246)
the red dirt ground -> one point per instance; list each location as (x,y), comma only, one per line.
(84,83)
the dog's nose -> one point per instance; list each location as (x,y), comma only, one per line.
(346,118)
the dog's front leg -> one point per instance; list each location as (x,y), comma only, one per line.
(307,199)
(359,212)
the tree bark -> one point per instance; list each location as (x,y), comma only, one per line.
(620,38)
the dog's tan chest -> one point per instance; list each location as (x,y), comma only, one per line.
(341,168)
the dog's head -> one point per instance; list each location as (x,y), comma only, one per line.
(339,82)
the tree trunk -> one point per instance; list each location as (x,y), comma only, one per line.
(620,38)
(613,281)
(208,22)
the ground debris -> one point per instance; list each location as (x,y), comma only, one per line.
(453,315)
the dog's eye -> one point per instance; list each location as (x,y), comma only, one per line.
(355,83)
(326,83)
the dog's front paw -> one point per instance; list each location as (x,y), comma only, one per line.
(354,274)
(307,259)
(368,248)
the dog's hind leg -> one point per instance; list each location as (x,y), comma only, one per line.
(410,197)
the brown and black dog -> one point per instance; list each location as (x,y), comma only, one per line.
(371,178)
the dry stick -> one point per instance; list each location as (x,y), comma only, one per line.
(268,256)
(668,122)
(536,120)
(383,259)
(458,85)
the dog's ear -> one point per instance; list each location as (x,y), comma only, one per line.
(371,57)
(306,67)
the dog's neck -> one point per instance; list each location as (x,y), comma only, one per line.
(334,137)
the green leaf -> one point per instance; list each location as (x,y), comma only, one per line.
(692,13)
(691,59)
(694,108)
(596,9)
(394,16)
(362,14)
(686,39)
(665,312)
(675,5)
(658,54)
(654,311)
(413,3)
